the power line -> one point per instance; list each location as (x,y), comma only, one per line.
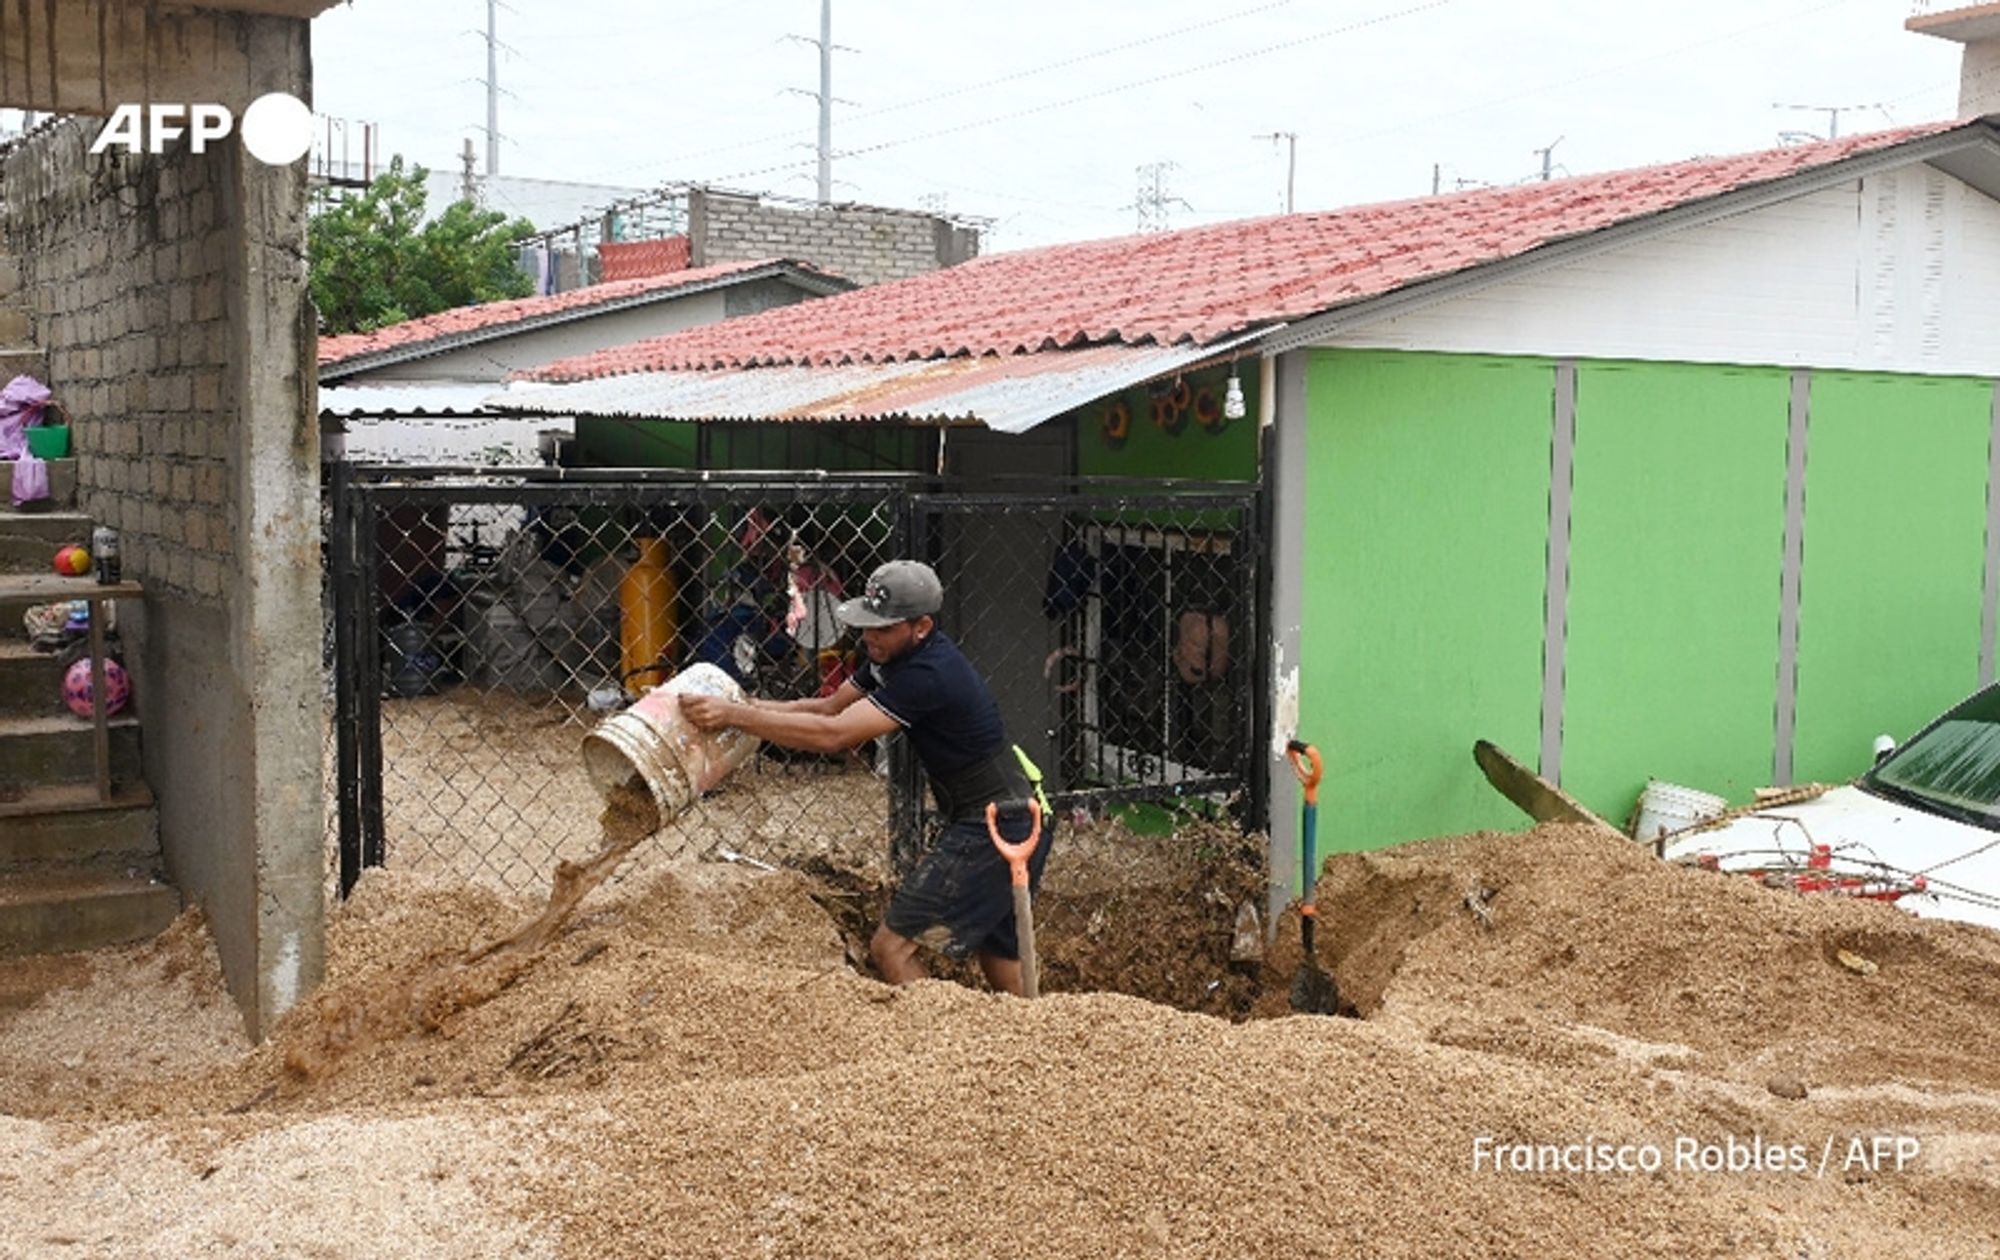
(1615,68)
(1113,90)
(949,93)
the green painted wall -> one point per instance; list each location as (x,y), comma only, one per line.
(621,443)
(832,447)
(1895,532)
(1426,519)
(1676,558)
(1196,453)
(604,442)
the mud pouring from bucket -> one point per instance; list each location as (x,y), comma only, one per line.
(651,753)
(650,765)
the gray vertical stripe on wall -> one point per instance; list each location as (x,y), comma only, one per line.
(1790,576)
(1555,605)
(1286,479)
(1989,618)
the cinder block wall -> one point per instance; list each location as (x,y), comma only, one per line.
(124,261)
(867,244)
(169,292)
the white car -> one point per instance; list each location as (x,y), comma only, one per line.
(1921,829)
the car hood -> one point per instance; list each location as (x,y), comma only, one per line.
(1960,863)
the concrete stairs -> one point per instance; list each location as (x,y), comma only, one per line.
(77,871)
(62,486)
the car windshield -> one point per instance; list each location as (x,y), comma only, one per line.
(1954,765)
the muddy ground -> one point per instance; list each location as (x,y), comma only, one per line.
(693,1067)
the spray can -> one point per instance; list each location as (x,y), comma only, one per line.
(104,554)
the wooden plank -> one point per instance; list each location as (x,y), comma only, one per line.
(20,590)
(99,720)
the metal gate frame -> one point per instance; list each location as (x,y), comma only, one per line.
(920,507)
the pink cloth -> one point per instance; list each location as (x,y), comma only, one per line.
(21,404)
(31,479)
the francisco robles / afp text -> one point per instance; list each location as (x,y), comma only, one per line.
(1592,1156)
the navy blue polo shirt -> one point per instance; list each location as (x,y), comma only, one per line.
(934,693)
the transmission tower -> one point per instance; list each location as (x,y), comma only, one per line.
(1155,199)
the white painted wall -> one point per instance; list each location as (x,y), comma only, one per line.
(1899,272)
(480,440)
(493,360)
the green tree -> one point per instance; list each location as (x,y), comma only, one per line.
(374,260)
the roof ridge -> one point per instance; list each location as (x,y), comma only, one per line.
(503,313)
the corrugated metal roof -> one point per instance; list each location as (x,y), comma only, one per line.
(1008,393)
(354,353)
(408,398)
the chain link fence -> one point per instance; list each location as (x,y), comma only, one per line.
(481,622)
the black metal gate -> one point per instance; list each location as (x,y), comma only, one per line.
(480,622)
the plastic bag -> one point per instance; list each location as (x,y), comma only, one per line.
(31,480)
(21,404)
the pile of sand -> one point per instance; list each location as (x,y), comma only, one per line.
(1565,928)
(692,1068)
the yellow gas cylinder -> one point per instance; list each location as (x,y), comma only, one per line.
(646,617)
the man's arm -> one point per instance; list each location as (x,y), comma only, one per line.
(826,706)
(849,725)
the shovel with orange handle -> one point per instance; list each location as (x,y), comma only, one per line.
(1017,856)
(1313,991)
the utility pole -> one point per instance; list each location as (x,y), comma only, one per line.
(1154,197)
(1548,154)
(1832,112)
(1291,139)
(468,186)
(825,101)
(492,88)
(825,94)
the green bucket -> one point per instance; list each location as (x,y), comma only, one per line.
(48,441)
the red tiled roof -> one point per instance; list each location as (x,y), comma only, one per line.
(1201,284)
(630,260)
(495,315)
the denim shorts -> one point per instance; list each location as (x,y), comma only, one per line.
(960,898)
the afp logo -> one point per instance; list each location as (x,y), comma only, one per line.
(277,128)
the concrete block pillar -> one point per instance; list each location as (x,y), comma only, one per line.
(275,629)
(231,681)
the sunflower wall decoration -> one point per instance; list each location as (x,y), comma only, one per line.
(1116,424)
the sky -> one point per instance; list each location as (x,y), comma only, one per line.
(1038,114)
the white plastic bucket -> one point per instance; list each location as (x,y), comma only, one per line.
(1665,808)
(651,742)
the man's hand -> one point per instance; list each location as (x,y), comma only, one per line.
(707,713)
(796,725)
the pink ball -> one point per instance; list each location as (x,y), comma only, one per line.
(76,687)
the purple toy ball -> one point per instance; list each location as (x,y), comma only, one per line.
(76,687)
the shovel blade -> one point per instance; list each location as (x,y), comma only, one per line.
(1313,991)
(1535,796)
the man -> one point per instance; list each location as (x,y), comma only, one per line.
(958,899)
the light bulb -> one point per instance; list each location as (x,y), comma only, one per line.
(1232,399)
